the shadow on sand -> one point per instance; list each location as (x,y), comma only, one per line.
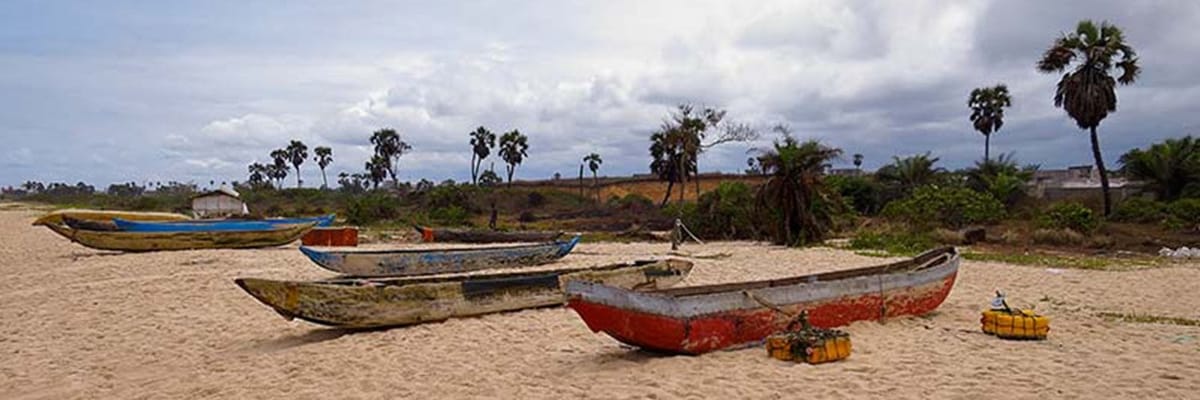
(310,337)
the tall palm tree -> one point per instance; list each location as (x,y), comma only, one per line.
(389,147)
(323,156)
(297,152)
(377,169)
(667,159)
(987,112)
(795,194)
(513,150)
(593,161)
(1168,167)
(858,159)
(482,142)
(258,174)
(1088,92)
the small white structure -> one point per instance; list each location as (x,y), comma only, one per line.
(222,202)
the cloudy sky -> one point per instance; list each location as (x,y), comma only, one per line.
(157,91)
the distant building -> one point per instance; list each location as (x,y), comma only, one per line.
(222,202)
(846,171)
(1078,182)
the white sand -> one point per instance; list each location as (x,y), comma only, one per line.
(79,323)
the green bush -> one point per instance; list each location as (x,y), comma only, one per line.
(1069,215)
(952,207)
(449,216)
(865,195)
(1140,209)
(726,213)
(1187,210)
(450,195)
(901,243)
(1060,237)
(371,208)
(632,202)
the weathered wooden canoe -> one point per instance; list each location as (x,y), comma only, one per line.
(380,302)
(699,319)
(203,225)
(56,217)
(89,224)
(154,241)
(482,236)
(437,261)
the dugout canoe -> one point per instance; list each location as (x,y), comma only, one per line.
(700,319)
(156,241)
(207,225)
(429,234)
(89,224)
(56,217)
(437,261)
(383,302)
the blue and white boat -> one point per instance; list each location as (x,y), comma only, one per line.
(217,225)
(438,261)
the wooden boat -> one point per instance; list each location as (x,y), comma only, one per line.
(154,241)
(699,319)
(437,261)
(89,224)
(380,302)
(56,217)
(216,224)
(482,236)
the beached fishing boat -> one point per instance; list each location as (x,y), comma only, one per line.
(89,224)
(201,225)
(379,302)
(429,234)
(56,217)
(437,261)
(700,319)
(155,241)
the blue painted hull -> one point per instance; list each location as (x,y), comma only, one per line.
(220,225)
(438,261)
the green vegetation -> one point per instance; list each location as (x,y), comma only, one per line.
(1171,168)
(798,207)
(987,112)
(1148,319)
(900,243)
(1069,215)
(950,207)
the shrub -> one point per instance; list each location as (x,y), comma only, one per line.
(865,195)
(1187,210)
(371,208)
(450,195)
(535,199)
(1060,237)
(632,202)
(952,207)
(1140,209)
(727,212)
(892,242)
(449,216)
(1069,215)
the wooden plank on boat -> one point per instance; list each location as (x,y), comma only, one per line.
(699,319)
(56,217)
(437,261)
(382,302)
(429,234)
(156,241)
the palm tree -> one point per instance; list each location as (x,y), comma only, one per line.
(482,142)
(858,159)
(1088,92)
(323,156)
(910,172)
(513,148)
(297,152)
(794,194)
(593,161)
(279,169)
(667,159)
(1002,178)
(987,112)
(377,169)
(1168,167)
(389,148)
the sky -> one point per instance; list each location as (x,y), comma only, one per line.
(115,91)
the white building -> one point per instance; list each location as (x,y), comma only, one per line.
(222,202)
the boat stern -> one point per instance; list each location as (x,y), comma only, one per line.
(566,247)
(325,260)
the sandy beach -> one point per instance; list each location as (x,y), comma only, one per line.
(79,323)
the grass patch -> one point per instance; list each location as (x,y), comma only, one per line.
(1057,261)
(1148,319)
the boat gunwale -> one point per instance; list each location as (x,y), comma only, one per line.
(456,249)
(347,280)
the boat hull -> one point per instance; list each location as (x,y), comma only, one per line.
(216,225)
(159,241)
(437,261)
(704,323)
(56,217)
(480,236)
(374,303)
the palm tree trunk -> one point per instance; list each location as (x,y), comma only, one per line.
(474,170)
(667,197)
(510,173)
(987,146)
(1103,172)
(324,180)
(297,177)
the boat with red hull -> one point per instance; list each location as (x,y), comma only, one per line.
(700,319)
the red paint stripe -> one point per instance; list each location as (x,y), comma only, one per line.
(720,330)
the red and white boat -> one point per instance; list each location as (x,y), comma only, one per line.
(700,319)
